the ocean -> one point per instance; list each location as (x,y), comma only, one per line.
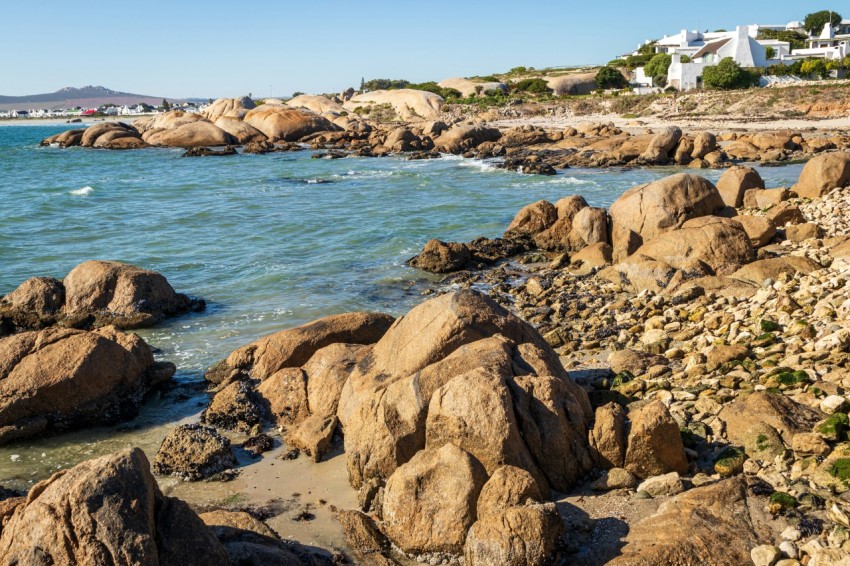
(270,241)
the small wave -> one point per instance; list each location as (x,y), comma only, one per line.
(569,181)
(318,181)
(367,173)
(478,164)
(85,191)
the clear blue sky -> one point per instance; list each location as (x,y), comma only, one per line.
(227,48)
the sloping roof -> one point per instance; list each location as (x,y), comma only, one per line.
(712,47)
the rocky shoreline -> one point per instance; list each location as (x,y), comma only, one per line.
(325,125)
(681,353)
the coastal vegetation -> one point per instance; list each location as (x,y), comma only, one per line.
(728,75)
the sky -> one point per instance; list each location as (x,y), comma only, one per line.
(211,49)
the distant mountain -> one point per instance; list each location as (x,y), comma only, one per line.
(87,96)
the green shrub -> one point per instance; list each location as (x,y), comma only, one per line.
(536,86)
(815,67)
(431,86)
(635,61)
(658,66)
(609,77)
(385,84)
(796,39)
(727,75)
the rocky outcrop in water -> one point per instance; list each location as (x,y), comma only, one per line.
(92,295)
(281,123)
(58,379)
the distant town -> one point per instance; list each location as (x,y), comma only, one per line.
(103,110)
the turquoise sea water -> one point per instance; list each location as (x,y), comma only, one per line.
(270,241)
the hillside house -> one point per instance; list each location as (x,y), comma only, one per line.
(740,45)
(830,44)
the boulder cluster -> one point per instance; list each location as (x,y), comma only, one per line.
(723,318)
(65,360)
(457,421)
(410,122)
(94,294)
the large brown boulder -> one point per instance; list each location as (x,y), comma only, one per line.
(774,140)
(109,292)
(661,147)
(282,123)
(194,134)
(326,372)
(655,444)
(715,524)
(242,132)
(92,133)
(229,107)
(590,226)
(193,452)
(759,229)
(474,412)
(525,535)
(609,437)
(385,405)
(772,268)
(430,502)
(405,103)
(704,143)
(646,211)
(35,304)
(59,378)
(166,121)
(532,219)
(107,511)
(442,257)
(69,138)
(719,243)
(292,348)
(735,182)
(639,272)
(742,149)
(316,103)
(747,418)
(824,173)
(284,394)
(508,486)
(120,139)
(462,138)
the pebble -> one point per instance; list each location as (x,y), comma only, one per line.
(791,533)
(832,404)
(765,555)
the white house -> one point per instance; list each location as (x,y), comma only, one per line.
(740,45)
(827,45)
